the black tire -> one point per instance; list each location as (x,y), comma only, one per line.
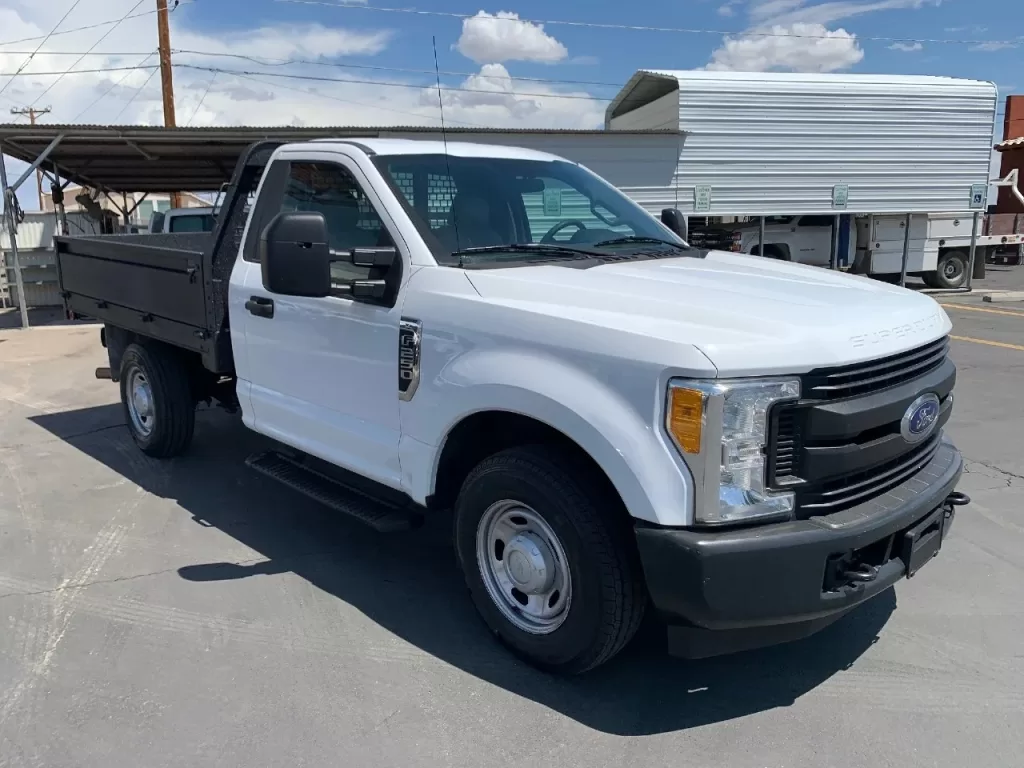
(950,272)
(172,407)
(774,252)
(608,595)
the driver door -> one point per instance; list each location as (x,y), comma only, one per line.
(320,373)
(814,240)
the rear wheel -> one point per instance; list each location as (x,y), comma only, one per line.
(549,561)
(157,399)
(950,272)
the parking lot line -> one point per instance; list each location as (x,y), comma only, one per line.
(1003,344)
(1009,312)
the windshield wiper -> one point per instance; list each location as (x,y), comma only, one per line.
(642,239)
(536,248)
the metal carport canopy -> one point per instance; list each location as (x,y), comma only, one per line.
(156,159)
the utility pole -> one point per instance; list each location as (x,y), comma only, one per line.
(33,113)
(166,74)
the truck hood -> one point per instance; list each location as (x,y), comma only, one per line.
(748,315)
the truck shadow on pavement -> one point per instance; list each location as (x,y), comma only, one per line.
(409,584)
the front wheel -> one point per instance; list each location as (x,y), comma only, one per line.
(550,562)
(157,400)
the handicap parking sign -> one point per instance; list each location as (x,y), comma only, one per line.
(979,193)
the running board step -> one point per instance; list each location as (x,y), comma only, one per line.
(318,486)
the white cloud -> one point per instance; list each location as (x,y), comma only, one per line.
(801,39)
(793,11)
(798,48)
(907,47)
(995,45)
(310,41)
(502,37)
(494,99)
(729,8)
(492,95)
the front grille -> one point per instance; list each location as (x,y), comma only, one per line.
(874,375)
(837,495)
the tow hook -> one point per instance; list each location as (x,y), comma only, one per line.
(957,499)
(861,573)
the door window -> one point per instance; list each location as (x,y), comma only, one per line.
(816,221)
(352,221)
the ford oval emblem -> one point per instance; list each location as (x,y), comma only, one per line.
(920,418)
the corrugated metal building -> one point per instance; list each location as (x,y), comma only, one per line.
(780,143)
(37,257)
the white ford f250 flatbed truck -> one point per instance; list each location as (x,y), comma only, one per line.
(618,420)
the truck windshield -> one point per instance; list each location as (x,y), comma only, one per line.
(460,203)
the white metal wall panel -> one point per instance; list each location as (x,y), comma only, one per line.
(660,114)
(777,143)
(39,228)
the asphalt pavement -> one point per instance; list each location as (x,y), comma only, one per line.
(190,613)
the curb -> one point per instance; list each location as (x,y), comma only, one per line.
(997,297)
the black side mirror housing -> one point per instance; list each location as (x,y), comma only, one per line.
(295,255)
(674,219)
(377,258)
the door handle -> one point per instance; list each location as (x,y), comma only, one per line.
(260,306)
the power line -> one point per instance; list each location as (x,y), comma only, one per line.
(76,72)
(137,92)
(195,112)
(87,27)
(264,62)
(354,103)
(381,68)
(47,37)
(124,77)
(91,49)
(638,27)
(382,84)
(314,78)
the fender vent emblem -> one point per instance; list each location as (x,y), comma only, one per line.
(409,339)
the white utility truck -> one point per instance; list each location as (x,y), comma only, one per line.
(201,219)
(938,252)
(617,420)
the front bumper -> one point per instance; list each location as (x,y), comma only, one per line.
(724,591)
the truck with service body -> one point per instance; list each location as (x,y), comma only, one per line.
(617,420)
(938,251)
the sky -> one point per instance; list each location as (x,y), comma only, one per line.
(506,65)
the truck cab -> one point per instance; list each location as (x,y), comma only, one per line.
(805,239)
(615,419)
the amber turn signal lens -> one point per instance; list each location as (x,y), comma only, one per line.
(686,417)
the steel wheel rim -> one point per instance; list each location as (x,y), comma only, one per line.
(139,398)
(952,269)
(524,567)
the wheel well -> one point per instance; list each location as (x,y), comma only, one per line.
(204,384)
(486,433)
(772,251)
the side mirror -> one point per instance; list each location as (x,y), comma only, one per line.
(376,258)
(295,255)
(674,219)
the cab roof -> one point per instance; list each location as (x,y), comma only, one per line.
(391,147)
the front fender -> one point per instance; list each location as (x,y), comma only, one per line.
(618,430)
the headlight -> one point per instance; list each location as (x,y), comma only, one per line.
(721,430)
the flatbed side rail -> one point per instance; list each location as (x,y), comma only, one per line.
(152,290)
